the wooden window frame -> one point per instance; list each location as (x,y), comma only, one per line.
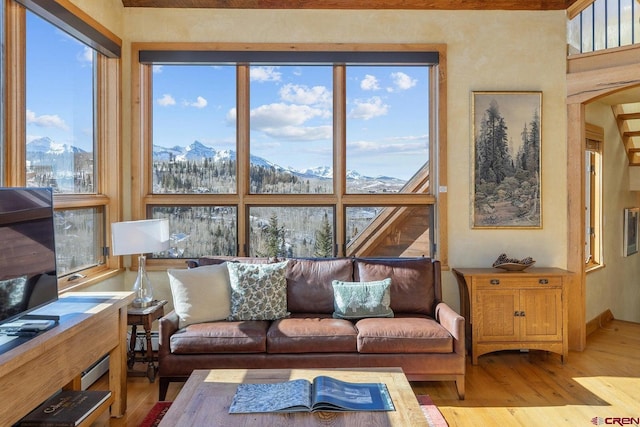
(594,139)
(141,142)
(107,130)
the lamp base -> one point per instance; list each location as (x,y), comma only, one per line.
(141,304)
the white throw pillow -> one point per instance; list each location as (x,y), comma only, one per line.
(200,294)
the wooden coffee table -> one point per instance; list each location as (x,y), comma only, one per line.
(207,395)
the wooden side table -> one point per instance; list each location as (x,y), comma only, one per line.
(143,317)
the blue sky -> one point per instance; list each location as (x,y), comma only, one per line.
(59,86)
(291,112)
(291,107)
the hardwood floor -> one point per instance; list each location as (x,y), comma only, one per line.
(509,388)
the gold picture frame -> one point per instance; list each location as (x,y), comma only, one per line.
(506,141)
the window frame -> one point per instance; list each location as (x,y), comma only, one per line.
(107,88)
(594,140)
(141,141)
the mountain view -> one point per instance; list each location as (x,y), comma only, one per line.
(198,168)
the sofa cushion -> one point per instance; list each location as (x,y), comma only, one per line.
(403,335)
(200,294)
(309,287)
(355,300)
(221,337)
(412,287)
(322,334)
(258,291)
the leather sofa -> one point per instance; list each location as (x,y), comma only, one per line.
(425,337)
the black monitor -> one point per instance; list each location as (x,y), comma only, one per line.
(28,278)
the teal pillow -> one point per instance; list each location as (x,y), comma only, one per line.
(357,300)
(258,291)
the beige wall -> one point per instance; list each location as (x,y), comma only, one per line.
(487,51)
(615,287)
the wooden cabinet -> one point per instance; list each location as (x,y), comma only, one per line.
(514,310)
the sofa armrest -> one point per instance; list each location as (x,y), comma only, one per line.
(167,326)
(454,323)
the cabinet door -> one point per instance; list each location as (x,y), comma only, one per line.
(494,318)
(541,314)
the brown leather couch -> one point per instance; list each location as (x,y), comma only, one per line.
(425,337)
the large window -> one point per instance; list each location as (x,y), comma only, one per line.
(63,115)
(292,152)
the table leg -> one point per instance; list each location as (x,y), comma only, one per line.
(131,356)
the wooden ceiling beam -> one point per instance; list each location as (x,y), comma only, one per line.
(358,4)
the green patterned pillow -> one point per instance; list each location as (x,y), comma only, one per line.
(357,300)
(258,291)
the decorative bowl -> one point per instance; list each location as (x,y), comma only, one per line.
(513,266)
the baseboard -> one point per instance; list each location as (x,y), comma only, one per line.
(597,322)
(93,373)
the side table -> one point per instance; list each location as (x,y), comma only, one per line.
(144,317)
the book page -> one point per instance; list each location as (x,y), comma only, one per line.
(331,394)
(289,396)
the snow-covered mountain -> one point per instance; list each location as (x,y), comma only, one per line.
(42,150)
(199,151)
(46,145)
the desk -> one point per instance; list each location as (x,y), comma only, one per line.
(92,324)
(144,317)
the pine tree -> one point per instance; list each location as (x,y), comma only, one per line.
(492,149)
(274,237)
(323,247)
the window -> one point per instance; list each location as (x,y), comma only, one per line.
(604,24)
(290,152)
(593,197)
(63,112)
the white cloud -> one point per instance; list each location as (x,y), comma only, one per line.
(369,83)
(301,94)
(280,114)
(264,74)
(200,102)
(86,55)
(300,133)
(166,100)
(157,68)
(286,121)
(393,148)
(232,114)
(368,109)
(46,120)
(402,81)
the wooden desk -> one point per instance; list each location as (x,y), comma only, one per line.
(92,324)
(207,395)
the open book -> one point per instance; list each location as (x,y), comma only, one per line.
(323,394)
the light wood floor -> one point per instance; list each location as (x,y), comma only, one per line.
(508,388)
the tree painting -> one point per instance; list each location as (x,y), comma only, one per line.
(506,140)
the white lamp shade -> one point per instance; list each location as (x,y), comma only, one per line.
(139,237)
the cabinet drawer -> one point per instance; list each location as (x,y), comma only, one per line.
(517,282)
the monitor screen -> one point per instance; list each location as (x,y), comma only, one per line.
(28,276)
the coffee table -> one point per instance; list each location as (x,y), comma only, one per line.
(207,395)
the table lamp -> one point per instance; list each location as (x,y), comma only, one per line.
(140,237)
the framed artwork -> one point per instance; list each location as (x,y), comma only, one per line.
(630,231)
(506,159)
